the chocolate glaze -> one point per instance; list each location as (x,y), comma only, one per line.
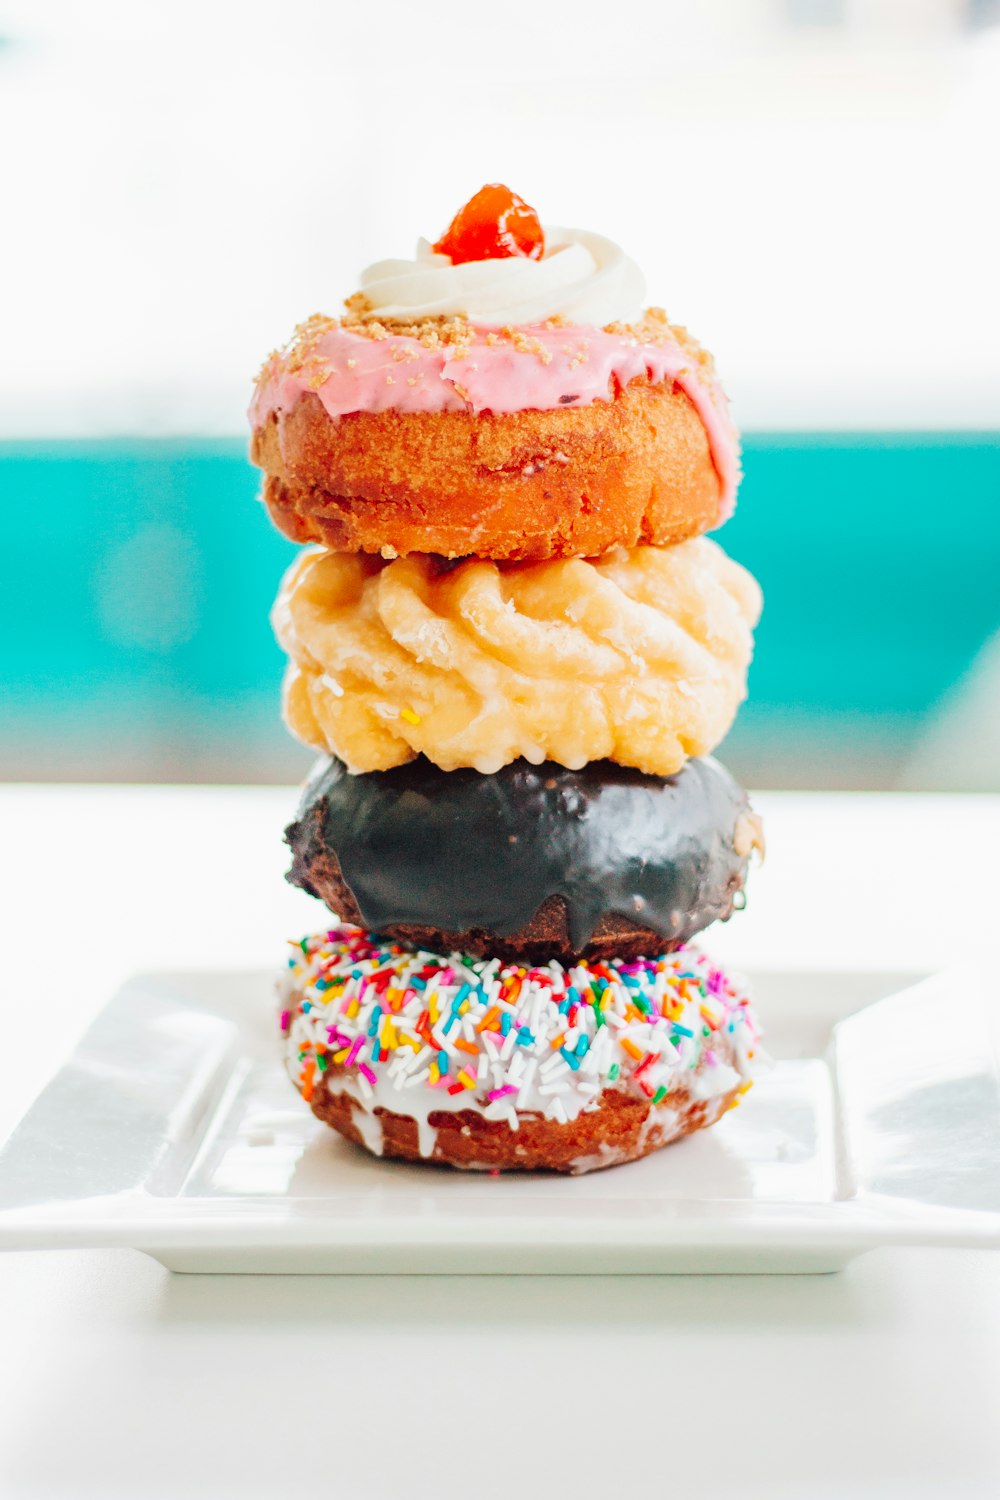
(458,852)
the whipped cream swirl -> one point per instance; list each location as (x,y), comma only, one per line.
(582,277)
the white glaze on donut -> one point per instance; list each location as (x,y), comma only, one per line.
(417,1033)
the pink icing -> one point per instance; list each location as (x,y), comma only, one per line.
(352,372)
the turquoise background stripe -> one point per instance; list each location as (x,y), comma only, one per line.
(136,578)
(880,562)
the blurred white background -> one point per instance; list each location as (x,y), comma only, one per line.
(809,184)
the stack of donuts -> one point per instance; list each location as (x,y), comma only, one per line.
(515,649)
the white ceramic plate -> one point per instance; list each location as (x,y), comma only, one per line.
(174,1130)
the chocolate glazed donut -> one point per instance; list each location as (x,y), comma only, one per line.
(533,863)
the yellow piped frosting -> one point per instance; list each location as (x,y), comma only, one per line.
(639,656)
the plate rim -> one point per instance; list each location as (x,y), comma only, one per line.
(140,1219)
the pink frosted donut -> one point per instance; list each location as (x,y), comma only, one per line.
(534,441)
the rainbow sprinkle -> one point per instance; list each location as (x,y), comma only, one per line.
(506,1037)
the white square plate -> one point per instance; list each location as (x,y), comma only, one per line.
(174,1130)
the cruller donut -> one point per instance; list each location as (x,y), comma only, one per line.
(639,656)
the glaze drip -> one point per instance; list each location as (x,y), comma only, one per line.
(459,850)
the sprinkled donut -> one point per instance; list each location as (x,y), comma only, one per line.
(491,1066)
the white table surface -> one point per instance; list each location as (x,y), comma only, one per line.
(118,1379)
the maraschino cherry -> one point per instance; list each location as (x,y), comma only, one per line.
(495,224)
